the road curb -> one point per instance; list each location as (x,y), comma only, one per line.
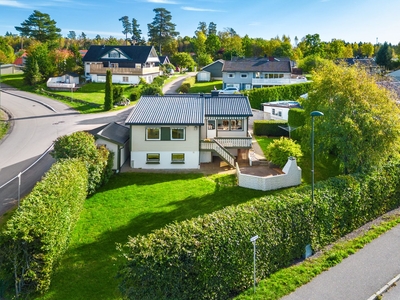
(385,288)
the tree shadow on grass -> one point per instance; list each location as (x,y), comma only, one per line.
(88,271)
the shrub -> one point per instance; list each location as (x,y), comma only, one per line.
(118,93)
(36,236)
(135,95)
(152,89)
(184,88)
(82,145)
(296,119)
(281,149)
(159,81)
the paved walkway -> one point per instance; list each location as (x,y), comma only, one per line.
(364,275)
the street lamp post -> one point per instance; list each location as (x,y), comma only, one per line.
(313,114)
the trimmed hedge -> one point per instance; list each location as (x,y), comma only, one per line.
(36,236)
(284,92)
(270,128)
(211,257)
(296,119)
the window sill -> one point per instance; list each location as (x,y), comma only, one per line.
(177,162)
(153,162)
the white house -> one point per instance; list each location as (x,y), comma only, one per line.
(249,73)
(65,82)
(127,63)
(279,110)
(182,131)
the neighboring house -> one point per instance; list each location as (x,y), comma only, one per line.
(279,110)
(65,82)
(249,73)
(202,76)
(215,69)
(164,60)
(368,64)
(127,63)
(21,61)
(116,139)
(182,131)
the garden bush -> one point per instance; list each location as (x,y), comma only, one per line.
(36,236)
(281,149)
(82,145)
(211,257)
(296,119)
(152,89)
(135,95)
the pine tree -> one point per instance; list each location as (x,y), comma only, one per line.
(162,30)
(108,99)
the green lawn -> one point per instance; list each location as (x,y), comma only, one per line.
(131,204)
(205,87)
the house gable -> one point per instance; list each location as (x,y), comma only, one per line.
(115,54)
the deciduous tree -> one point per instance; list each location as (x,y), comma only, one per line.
(361,122)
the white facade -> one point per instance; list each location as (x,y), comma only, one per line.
(165,154)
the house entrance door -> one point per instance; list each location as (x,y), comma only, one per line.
(211,129)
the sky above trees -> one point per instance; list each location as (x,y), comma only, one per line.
(352,21)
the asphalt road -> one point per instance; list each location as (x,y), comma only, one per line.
(36,123)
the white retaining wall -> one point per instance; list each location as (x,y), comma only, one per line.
(292,177)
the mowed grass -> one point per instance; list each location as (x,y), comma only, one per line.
(131,204)
(205,87)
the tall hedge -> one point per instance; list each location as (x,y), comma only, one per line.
(270,128)
(36,236)
(284,92)
(296,119)
(211,257)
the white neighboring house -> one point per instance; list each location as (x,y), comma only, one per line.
(279,110)
(127,63)
(182,131)
(116,139)
(65,82)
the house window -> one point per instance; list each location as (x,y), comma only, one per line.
(125,79)
(211,124)
(113,65)
(153,133)
(178,158)
(153,158)
(113,54)
(231,75)
(243,75)
(178,134)
(235,124)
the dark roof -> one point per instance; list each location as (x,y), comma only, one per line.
(167,110)
(233,106)
(370,62)
(135,54)
(186,109)
(257,65)
(114,132)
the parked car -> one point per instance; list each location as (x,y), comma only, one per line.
(229,90)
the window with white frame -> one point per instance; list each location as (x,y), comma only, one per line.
(243,75)
(178,133)
(178,158)
(153,134)
(152,158)
(125,79)
(230,124)
(231,75)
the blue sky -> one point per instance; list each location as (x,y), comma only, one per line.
(350,20)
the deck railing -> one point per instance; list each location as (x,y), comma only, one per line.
(99,69)
(219,149)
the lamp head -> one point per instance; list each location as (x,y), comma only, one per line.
(316,113)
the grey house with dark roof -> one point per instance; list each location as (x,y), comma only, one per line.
(182,131)
(249,73)
(127,63)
